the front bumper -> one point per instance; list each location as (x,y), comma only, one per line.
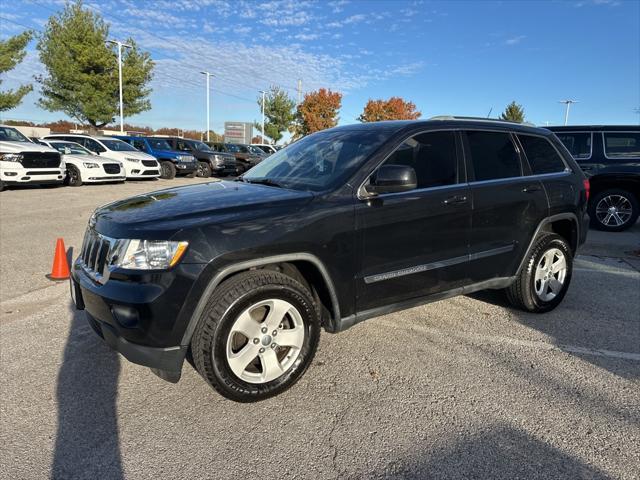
(185,167)
(13,173)
(143,316)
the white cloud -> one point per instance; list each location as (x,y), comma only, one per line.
(306,37)
(515,40)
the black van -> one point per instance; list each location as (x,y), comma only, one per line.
(610,158)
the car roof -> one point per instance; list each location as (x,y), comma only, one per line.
(594,128)
(396,126)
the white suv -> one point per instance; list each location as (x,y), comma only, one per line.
(85,167)
(136,164)
(25,162)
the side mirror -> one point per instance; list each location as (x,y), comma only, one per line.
(392,179)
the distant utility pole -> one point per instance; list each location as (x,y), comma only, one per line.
(637,110)
(120,45)
(299,91)
(263,139)
(566,112)
(208,74)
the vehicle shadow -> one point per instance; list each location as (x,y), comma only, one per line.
(499,452)
(86,444)
(586,324)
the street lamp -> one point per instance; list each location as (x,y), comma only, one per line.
(566,112)
(208,74)
(120,45)
(263,137)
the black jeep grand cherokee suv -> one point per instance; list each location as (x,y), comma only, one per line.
(341,226)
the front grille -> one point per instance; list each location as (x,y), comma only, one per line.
(40,159)
(111,168)
(150,172)
(149,163)
(44,172)
(95,255)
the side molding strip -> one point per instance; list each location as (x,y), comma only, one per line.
(432,266)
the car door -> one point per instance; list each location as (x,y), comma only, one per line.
(415,243)
(508,204)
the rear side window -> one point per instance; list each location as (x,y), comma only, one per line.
(493,155)
(622,145)
(432,155)
(542,157)
(578,144)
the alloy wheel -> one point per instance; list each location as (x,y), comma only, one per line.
(614,210)
(551,273)
(265,341)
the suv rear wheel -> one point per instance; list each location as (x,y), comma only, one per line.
(257,335)
(167,170)
(544,280)
(614,210)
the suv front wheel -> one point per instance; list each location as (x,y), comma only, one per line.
(543,281)
(613,210)
(256,336)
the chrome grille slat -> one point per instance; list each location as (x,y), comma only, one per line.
(95,254)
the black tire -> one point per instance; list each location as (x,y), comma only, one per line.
(204,170)
(240,169)
(231,298)
(167,170)
(73,178)
(522,293)
(617,198)
(2,186)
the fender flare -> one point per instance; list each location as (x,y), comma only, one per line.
(224,273)
(545,221)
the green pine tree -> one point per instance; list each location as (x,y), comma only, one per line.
(12,52)
(82,70)
(279,113)
(513,113)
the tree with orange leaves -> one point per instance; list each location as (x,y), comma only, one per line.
(317,111)
(393,109)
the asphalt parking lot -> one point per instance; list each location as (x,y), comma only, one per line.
(463,388)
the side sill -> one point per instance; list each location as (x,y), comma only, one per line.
(494,283)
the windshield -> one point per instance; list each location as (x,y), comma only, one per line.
(256,150)
(68,148)
(233,148)
(203,147)
(8,134)
(158,144)
(117,145)
(318,162)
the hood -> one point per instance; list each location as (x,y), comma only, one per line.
(140,155)
(171,153)
(17,147)
(68,157)
(160,214)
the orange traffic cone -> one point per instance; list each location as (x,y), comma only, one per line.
(60,268)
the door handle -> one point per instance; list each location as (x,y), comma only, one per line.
(456,200)
(531,188)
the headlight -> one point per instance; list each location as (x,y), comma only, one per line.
(134,160)
(148,254)
(11,157)
(90,165)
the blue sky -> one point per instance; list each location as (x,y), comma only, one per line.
(454,57)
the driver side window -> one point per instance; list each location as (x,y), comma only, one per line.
(94,146)
(433,157)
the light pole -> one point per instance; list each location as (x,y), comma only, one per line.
(120,45)
(566,112)
(208,74)
(263,138)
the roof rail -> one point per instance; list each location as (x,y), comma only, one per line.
(480,119)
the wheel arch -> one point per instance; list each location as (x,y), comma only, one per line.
(599,183)
(564,224)
(304,267)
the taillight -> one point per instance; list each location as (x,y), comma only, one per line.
(587,187)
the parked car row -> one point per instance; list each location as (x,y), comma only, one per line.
(75,159)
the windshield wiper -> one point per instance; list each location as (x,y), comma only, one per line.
(263,181)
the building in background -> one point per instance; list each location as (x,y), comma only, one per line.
(238,132)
